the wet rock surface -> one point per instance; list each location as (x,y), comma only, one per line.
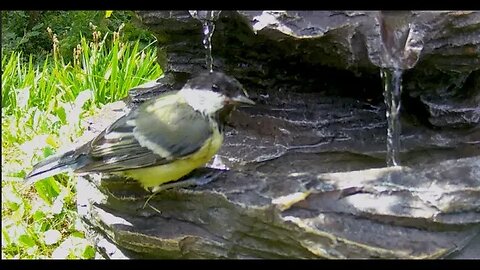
(331,51)
(305,172)
(306,179)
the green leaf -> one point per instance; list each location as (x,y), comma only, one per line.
(5,237)
(38,215)
(18,214)
(60,112)
(89,253)
(26,240)
(20,174)
(12,206)
(48,151)
(38,26)
(78,234)
(47,189)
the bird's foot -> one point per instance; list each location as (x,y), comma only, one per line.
(190,180)
(208,177)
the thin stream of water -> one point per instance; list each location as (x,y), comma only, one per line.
(392,85)
(395,35)
(208,22)
(208,29)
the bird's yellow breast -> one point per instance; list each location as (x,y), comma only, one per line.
(157,175)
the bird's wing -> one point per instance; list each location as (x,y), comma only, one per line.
(158,132)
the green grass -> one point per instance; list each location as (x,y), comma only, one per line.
(42,110)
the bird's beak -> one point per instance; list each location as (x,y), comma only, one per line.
(242,100)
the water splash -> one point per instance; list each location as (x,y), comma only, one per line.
(401,45)
(208,21)
(392,85)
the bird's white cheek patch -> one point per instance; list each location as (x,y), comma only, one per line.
(207,102)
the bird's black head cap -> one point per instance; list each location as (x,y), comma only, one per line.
(217,82)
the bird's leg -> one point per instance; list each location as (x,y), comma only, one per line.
(176,184)
(190,180)
(208,177)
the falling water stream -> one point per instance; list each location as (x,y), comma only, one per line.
(208,28)
(208,20)
(401,44)
(392,85)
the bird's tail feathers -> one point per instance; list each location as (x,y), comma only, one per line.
(54,165)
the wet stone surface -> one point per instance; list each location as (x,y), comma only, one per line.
(306,179)
(331,51)
(305,173)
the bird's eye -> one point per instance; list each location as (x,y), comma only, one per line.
(215,87)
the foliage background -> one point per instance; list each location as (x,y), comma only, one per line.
(24,31)
(59,68)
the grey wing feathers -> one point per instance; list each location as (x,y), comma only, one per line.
(183,130)
(143,138)
(116,149)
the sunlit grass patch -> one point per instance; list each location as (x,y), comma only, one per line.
(42,111)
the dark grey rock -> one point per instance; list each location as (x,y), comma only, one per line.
(372,213)
(335,52)
(300,186)
(306,166)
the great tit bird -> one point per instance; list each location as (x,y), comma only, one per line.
(162,140)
